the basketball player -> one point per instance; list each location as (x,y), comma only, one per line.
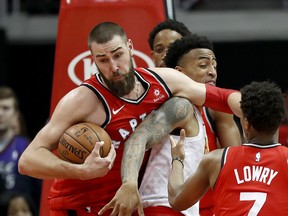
(162,35)
(193,55)
(117,98)
(221,128)
(153,189)
(252,179)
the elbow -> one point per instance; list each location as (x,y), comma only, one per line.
(174,206)
(175,203)
(22,165)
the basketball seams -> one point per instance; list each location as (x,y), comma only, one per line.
(77,147)
(60,152)
(77,141)
(96,133)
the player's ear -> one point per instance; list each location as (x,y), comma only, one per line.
(130,46)
(245,124)
(179,68)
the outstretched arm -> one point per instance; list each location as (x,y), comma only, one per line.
(154,129)
(220,99)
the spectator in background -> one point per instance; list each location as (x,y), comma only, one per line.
(16,204)
(12,144)
(19,125)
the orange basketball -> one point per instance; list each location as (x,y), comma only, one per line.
(78,141)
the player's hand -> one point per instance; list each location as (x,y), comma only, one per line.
(125,201)
(177,149)
(95,166)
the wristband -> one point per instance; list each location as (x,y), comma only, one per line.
(178,159)
(217,98)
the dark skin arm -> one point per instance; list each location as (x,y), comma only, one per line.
(154,129)
(226,129)
(183,195)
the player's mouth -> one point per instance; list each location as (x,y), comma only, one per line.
(211,82)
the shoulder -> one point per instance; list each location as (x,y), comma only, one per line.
(78,96)
(211,163)
(77,105)
(179,101)
(214,155)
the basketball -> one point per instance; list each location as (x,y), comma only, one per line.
(78,141)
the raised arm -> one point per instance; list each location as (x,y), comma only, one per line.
(183,195)
(38,159)
(154,129)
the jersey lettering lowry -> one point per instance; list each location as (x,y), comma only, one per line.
(255,173)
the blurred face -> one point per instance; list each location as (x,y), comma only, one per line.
(19,207)
(114,62)
(161,42)
(8,114)
(200,65)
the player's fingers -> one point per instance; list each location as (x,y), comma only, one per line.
(182,136)
(105,208)
(140,210)
(97,147)
(172,141)
(116,211)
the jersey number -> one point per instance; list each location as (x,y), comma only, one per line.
(259,198)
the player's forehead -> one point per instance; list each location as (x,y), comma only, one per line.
(201,53)
(166,35)
(100,49)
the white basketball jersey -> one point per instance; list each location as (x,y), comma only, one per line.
(154,187)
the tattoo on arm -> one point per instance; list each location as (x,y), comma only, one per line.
(154,129)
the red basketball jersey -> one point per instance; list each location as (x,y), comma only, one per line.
(207,201)
(122,117)
(253,181)
(210,129)
(283,134)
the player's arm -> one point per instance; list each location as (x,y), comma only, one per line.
(154,129)
(227,130)
(38,159)
(182,195)
(224,100)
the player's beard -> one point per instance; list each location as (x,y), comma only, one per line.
(122,87)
